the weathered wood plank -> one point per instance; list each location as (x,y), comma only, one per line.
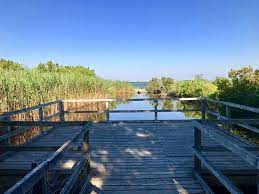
(227,142)
(27,109)
(220,176)
(205,186)
(242,107)
(72,180)
(38,172)
(130,99)
(132,111)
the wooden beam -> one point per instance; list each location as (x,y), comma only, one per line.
(27,109)
(220,176)
(246,126)
(37,148)
(249,127)
(223,149)
(28,181)
(204,185)
(145,121)
(222,120)
(203,109)
(155,109)
(51,116)
(197,145)
(240,151)
(41,118)
(207,121)
(44,123)
(13,133)
(130,99)
(234,105)
(132,111)
(9,153)
(73,178)
(107,110)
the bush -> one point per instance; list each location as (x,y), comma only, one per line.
(241,86)
(191,88)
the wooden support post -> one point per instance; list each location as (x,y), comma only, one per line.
(86,145)
(156,105)
(107,111)
(6,130)
(42,186)
(41,118)
(228,112)
(197,146)
(61,111)
(203,109)
(228,115)
(86,148)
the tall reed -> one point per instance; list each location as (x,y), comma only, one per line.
(24,87)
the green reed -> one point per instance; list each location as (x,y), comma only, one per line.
(24,88)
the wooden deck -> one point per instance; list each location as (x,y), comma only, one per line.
(151,158)
(174,156)
(37,151)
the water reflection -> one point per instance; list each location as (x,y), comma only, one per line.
(135,105)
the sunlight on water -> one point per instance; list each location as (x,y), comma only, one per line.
(149,105)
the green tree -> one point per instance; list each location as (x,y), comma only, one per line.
(241,86)
(155,86)
(168,84)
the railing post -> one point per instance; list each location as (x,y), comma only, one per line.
(86,147)
(41,118)
(203,108)
(61,111)
(198,147)
(42,185)
(107,111)
(86,144)
(228,112)
(6,129)
(156,105)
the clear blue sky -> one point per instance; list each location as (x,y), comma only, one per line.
(133,39)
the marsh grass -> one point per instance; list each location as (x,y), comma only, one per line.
(21,88)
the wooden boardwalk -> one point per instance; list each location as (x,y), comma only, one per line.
(174,156)
(151,158)
(38,150)
(142,158)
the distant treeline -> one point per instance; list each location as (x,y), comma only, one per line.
(22,87)
(241,86)
(139,84)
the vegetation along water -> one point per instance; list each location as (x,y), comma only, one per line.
(23,87)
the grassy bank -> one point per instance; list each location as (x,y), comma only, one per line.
(22,87)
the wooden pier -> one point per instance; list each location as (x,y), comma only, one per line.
(140,156)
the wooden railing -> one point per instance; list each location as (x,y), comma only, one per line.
(228,107)
(40,109)
(38,174)
(37,178)
(155,109)
(224,140)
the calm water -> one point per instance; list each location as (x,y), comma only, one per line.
(141,85)
(147,105)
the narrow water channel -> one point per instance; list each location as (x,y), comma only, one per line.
(149,105)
